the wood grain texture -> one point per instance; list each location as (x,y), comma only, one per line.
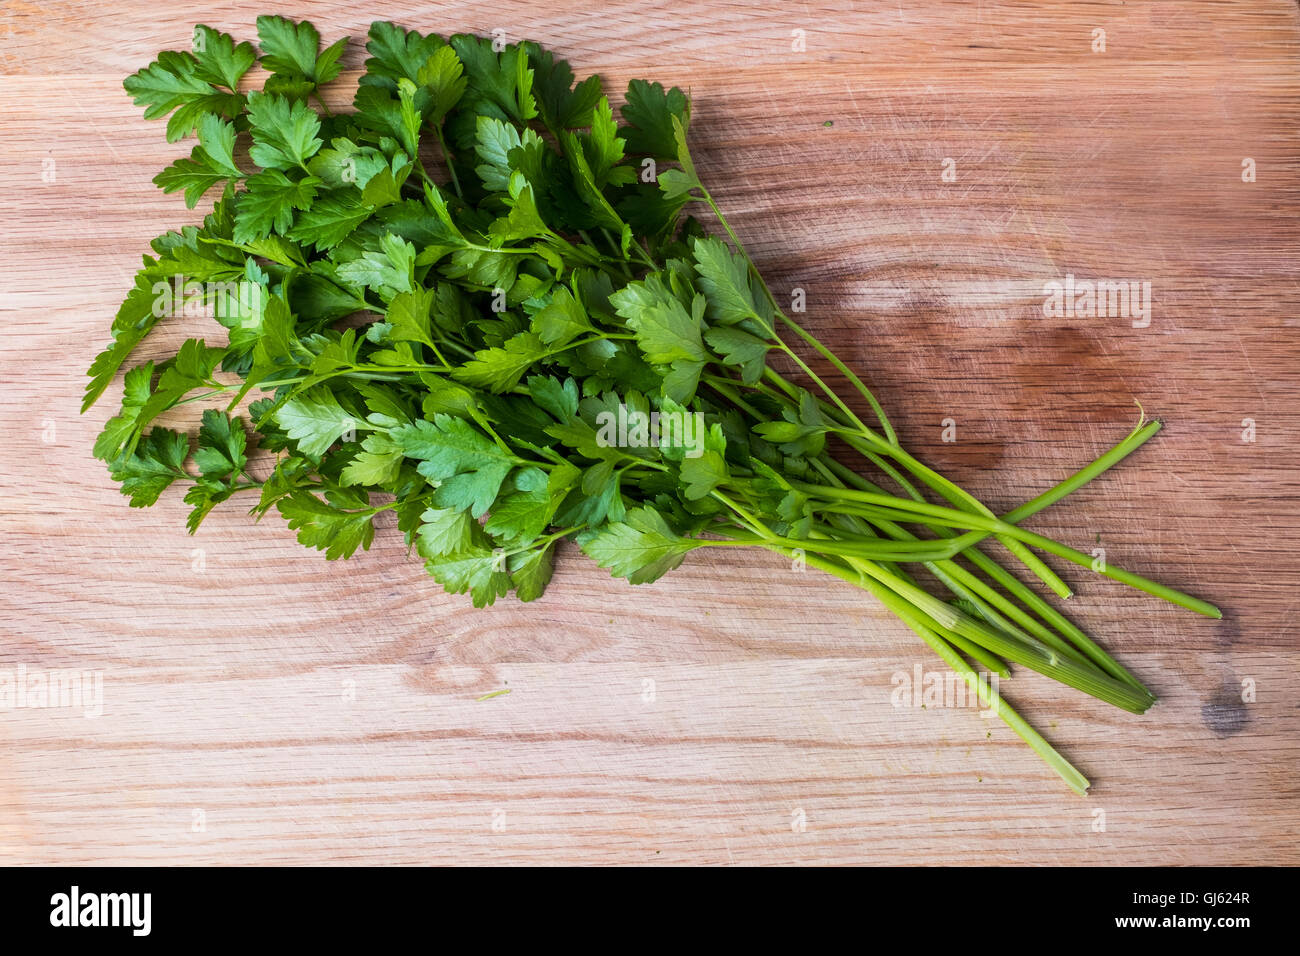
(328,713)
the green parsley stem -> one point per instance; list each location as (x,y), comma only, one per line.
(952,492)
(987,694)
(898,509)
(1130,443)
(446,158)
(804,334)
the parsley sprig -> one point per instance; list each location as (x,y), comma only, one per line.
(434,304)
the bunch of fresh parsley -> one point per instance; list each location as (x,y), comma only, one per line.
(445,295)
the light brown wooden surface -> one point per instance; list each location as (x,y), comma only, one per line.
(322,712)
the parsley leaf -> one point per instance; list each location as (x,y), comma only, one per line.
(157,461)
(315,420)
(388,271)
(468,467)
(649,111)
(499,369)
(724,279)
(222,444)
(176,83)
(666,333)
(269,203)
(482,573)
(396,54)
(523,514)
(562,105)
(220,60)
(641,547)
(290,50)
(442,79)
(338,530)
(444,531)
(284,132)
(330,220)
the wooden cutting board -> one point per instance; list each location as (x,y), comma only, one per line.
(261,705)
